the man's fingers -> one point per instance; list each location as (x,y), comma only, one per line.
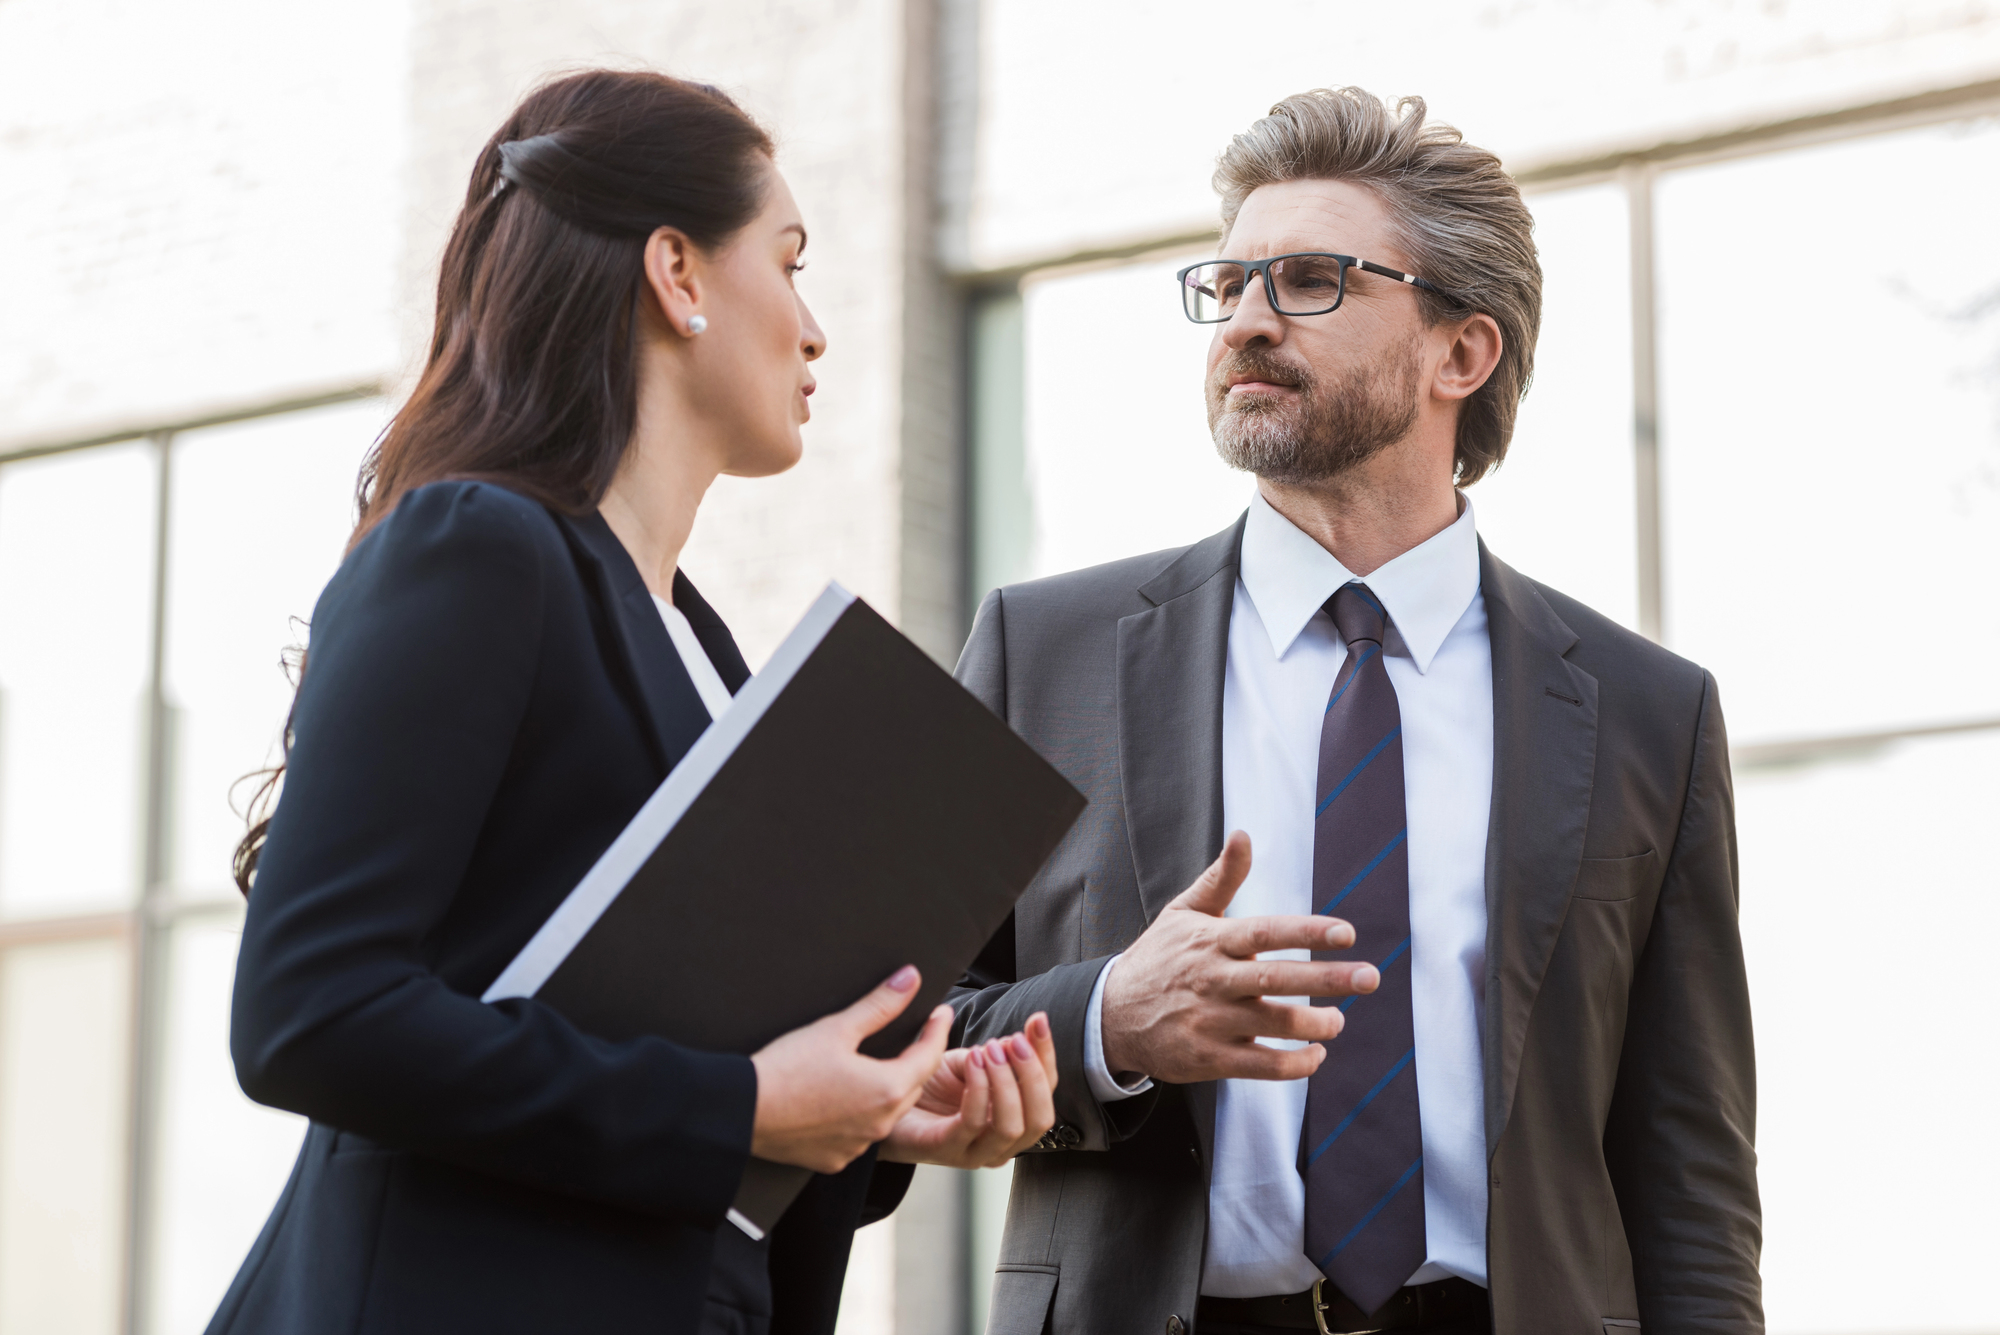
(1296,978)
(881,1005)
(1247,937)
(1312,1024)
(1254,1061)
(1214,888)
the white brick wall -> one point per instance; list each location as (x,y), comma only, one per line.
(1093,128)
(199,203)
(826,79)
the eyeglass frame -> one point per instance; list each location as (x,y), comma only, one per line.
(1255,268)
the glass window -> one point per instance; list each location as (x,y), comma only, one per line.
(260,516)
(76,591)
(65,1010)
(1830,429)
(221,1159)
(1870,904)
(1560,507)
(1119,459)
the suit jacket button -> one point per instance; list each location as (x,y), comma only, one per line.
(1175,1326)
(1070,1138)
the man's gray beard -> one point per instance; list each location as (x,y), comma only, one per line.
(1326,430)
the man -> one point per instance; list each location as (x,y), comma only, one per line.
(1523,1097)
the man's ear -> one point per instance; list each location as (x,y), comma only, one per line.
(1468,361)
(673,275)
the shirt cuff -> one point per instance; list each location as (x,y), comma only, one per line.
(1104,1087)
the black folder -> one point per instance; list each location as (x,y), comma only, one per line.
(853,810)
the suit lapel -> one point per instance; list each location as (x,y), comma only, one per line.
(1544,759)
(1172,659)
(674,712)
(716,641)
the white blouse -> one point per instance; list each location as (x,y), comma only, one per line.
(694,658)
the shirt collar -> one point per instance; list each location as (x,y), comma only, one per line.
(1289,576)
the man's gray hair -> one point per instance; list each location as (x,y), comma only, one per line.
(1458,215)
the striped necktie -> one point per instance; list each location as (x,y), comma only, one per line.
(1361,1149)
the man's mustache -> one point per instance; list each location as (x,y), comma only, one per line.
(1251,364)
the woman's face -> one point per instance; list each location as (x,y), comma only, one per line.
(751,361)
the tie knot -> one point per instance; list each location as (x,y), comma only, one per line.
(1358,613)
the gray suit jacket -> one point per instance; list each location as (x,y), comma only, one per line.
(1620,1082)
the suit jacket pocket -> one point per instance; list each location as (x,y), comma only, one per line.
(1615,878)
(1021,1298)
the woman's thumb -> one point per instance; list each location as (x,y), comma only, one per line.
(883,1004)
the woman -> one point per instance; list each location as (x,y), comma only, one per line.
(506,665)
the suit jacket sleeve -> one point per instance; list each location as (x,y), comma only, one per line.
(992,1000)
(424,653)
(1680,1140)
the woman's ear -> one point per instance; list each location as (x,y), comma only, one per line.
(673,274)
(1474,352)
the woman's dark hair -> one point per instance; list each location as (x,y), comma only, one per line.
(532,379)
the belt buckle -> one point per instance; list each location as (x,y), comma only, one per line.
(1319,1310)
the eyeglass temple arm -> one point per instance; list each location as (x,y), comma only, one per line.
(1401,277)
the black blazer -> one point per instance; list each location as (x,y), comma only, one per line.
(490,696)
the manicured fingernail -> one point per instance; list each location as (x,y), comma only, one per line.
(941,1012)
(904,978)
(1366,979)
(977,1057)
(1022,1050)
(1340,936)
(996,1052)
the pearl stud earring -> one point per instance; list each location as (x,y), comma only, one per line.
(697,323)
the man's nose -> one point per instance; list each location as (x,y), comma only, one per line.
(1254,319)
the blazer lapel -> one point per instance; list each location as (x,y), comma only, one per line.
(1544,759)
(1171,662)
(716,641)
(674,711)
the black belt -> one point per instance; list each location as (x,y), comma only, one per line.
(1325,1308)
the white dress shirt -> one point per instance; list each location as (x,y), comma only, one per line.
(1283,656)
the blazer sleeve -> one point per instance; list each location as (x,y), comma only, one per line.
(1681,1137)
(992,1000)
(424,652)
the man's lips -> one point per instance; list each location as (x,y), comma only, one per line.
(1252,385)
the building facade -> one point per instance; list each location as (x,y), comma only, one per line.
(1765,429)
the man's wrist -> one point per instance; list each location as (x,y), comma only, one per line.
(1105,1087)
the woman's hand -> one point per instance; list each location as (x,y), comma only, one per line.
(820,1103)
(983,1105)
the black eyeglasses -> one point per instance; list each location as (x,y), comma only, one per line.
(1306,283)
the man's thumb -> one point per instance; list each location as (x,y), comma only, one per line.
(883,1004)
(1214,888)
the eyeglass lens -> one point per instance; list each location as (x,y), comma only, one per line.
(1305,285)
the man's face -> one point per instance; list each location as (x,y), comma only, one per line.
(1299,399)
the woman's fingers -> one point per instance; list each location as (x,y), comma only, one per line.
(1043,1037)
(881,1005)
(1008,1119)
(1038,1106)
(975,1110)
(916,1063)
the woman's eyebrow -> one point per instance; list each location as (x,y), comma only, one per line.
(800,228)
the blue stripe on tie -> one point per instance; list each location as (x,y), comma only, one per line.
(1394,955)
(1366,1099)
(1369,598)
(1369,1218)
(1354,773)
(1359,659)
(1362,875)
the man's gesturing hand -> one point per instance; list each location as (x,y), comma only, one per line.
(820,1103)
(1186,1002)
